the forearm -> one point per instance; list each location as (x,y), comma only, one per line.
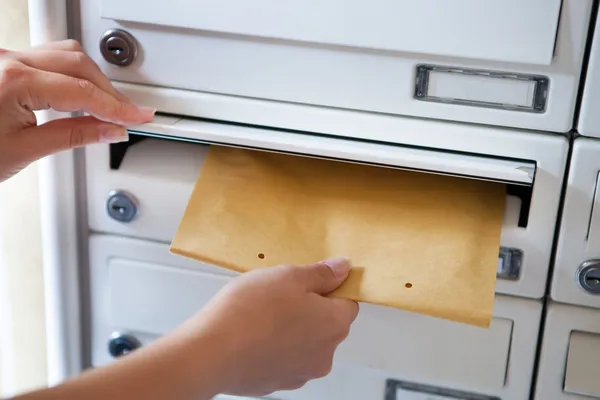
(180,367)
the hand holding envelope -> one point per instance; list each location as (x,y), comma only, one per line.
(420,242)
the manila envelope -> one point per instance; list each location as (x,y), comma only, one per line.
(420,242)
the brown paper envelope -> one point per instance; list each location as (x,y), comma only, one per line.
(420,242)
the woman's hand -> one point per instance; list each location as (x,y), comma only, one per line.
(268,330)
(57,76)
(277,329)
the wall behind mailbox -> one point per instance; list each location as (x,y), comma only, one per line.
(22,328)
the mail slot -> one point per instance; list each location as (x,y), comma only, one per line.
(568,366)
(575,277)
(367,59)
(384,344)
(166,156)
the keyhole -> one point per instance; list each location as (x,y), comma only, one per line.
(115,50)
(119,209)
(592,281)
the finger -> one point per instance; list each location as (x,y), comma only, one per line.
(67,94)
(67,133)
(71,63)
(346,310)
(68,44)
(324,277)
(73,46)
(294,385)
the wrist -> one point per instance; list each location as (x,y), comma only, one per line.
(205,359)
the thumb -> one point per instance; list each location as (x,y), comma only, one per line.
(69,133)
(325,276)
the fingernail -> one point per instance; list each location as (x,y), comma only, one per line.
(113,134)
(340,266)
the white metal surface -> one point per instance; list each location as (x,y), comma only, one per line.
(520,31)
(48,22)
(565,328)
(579,238)
(206,61)
(162,167)
(583,369)
(589,118)
(384,343)
(479,167)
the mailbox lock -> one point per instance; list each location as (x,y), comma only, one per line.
(588,276)
(121,206)
(118,47)
(122,344)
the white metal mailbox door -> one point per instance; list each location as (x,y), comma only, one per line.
(569,366)
(522,31)
(579,239)
(589,118)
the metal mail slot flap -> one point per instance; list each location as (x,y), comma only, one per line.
(521,31)
(389,155)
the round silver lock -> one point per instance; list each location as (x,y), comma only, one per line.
(121,344)
(588,276)
(118,47)
(121,206)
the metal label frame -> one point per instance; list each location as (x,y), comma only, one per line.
(540,96)
(392,386)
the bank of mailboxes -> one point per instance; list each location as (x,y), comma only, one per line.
(483,90)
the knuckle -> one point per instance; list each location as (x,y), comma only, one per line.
(287,269)
(87,90)
(80,58)
(76,136)
(86,86)
(341,335)
(341,326)
(117,109)
(12,70)
(324,369)
(73,45)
